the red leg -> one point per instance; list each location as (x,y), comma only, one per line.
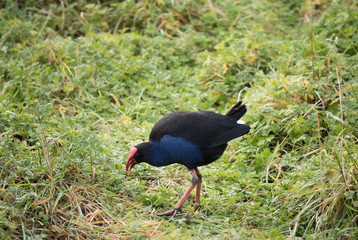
(196,182)
(198,189)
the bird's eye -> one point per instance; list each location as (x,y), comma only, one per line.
(137,155)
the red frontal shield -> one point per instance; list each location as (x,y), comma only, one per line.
(131,162)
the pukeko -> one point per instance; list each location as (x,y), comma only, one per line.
(190,138)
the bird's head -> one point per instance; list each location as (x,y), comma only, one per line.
(139,153)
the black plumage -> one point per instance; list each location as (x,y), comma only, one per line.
(189,138)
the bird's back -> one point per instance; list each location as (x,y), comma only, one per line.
(203,128)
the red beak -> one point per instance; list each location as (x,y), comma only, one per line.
(131,162)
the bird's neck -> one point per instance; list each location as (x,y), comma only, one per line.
(159,155)
(169,150)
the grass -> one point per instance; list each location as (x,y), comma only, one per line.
(81,82)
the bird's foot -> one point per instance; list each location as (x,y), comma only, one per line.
(197,208)
(173,211)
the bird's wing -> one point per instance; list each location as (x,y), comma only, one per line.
(206,129)
(232,133)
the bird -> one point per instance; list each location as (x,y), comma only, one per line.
(190,138)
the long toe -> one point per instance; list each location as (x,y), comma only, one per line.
(197,208)
(172,212)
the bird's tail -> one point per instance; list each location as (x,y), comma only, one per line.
(237,111)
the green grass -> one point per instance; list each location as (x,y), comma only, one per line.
(82,82)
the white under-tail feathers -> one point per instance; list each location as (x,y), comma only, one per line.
(238,100)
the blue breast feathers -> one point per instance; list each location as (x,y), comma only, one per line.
(169,150)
